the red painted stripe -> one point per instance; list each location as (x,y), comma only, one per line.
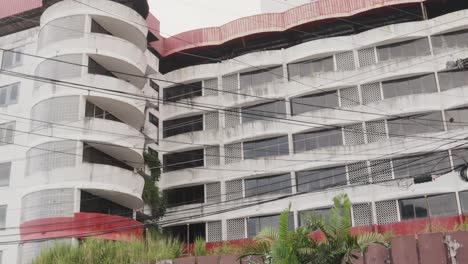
(82,224)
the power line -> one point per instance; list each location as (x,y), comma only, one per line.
(369,176)
(225,210)
(93,233)
(70,85)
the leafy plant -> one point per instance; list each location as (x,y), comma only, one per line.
(152,196)
(338,245)
(151,249)
(461,226)
(225,249)
(199,247)
(281,246)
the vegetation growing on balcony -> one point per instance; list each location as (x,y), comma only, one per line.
(152,196)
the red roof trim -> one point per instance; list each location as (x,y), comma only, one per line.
(273,22)
(10,8)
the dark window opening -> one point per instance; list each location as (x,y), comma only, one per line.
(314,102)
(432,206)
(185,195)
(405,49)
(305,216)
(187,233)
(316,180)
(453,79)
(96,68)
(182,125)
(183,160)
(266,148)
(95,111)
(412,85)
(310,67)
(416,124)
(458,39)
(422,165)
(260,78)
(91,203)
(185,91)
(92,155)
(153,120)
(459,156)
(153,152)
(317,139)
(464,201)
(97,28)
(267,111)
(271,185)
(5,170)
(257,224)
(456,118)
(154,86)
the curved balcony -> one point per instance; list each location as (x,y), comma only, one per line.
(131,23)
(131,110)
(113,183)
(322,157)
(115,54)
(80,225)
(92,130)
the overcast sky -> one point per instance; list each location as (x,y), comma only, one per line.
(182,15)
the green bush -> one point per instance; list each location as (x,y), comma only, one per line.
(153,248)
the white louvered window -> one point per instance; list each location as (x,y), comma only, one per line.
(376,131)
(354,134)
(213,192)
(210,87)
(387,212)
(214,231)
(234,190)
(9,94)
(232,153)
(367,57)
(345,61)
(362,214)
(235,229)
(349,96)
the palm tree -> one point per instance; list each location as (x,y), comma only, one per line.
(282,246)
(338,244)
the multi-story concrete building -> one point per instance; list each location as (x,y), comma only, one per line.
(329,97)
(75,120)
(265,112)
